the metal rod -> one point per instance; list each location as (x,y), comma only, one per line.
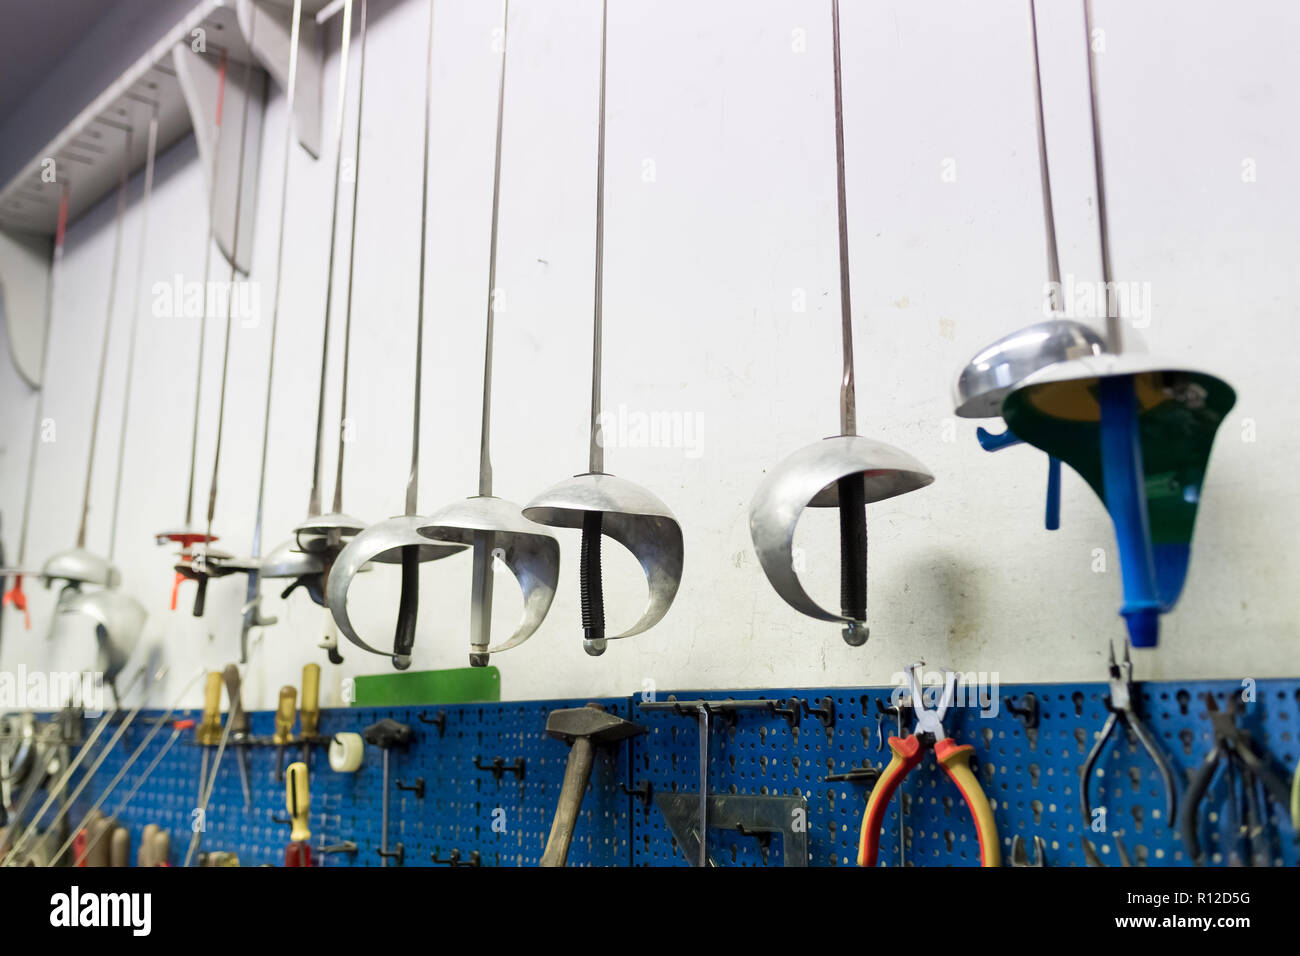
(103,348)
(135,323)
(144,777)
(206,794)
(55,262)
(122,771)
(280,271)
(1045,178)
(207,267)
(704,785)
(98,762)
(848,392)
(352,255)
(230,291)
(596,453)
(485,434)
(413,477)
(100,726)
(313,503)
(1114,330)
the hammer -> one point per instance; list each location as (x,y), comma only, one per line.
(583,728)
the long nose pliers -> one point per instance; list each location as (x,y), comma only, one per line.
(952,757)
(1120,703)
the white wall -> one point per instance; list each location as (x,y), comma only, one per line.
(702,265)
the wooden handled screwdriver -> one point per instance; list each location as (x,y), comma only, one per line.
(285,713)
(297,799)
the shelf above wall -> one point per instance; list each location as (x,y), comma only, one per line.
(88,153)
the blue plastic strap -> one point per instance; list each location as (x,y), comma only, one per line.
(1121,460)
(991,442)
(1053,520)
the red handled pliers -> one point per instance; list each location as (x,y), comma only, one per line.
(952,757)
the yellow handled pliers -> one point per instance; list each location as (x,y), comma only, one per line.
(952,757)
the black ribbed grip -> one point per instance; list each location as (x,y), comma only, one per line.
(201,595)
(593,592)
(853,547)
(408,607)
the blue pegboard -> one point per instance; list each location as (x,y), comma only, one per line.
(463,809)
(1031,777)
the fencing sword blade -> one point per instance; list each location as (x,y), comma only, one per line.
(122,771)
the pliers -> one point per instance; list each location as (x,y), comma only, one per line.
(953,758)
(1120,704)
(1235,747)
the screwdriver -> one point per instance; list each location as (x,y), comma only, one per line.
(310,709)
(285,713)
(208,733)
(297,798)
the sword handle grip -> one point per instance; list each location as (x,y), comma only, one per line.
(853,556)
(408,607)
(593,590)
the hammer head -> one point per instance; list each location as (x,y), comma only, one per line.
(592,722)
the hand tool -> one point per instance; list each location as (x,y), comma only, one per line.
(298,802)
(404,538)
(748,814)
(387,734)
(847,472)
(1137,429)
(119,853)
(583,729)
(990,375)
(239,734)
(1295,799)
(208,734)
(1245,764)
(599,503)
(1121,700)
(493,526)
(1092,859)
(323,535)
(57,734)
(130,761)
(109,717)
(701,710)
(47,755)
(1020,856)
(252,609)
(310,710)
(162,840)
(187,536)
(205,562)
(928,734)
(15,595)
(97,828)
(93,769)
(286,713)
(155,846)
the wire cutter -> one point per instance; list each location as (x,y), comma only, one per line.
(1234,747)
(1123,693)
(952,757)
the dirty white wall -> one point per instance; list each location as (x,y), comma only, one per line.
(720,221)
